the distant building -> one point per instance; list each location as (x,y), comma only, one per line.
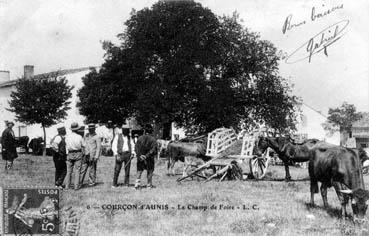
(74,78)
(310,126)
(359,135)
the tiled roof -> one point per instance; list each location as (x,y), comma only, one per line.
(363,122)
(60,73)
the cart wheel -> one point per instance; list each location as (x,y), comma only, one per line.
(259,166)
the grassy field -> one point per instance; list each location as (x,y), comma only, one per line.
(280,208)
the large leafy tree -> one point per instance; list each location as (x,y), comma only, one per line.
(177,61)
(342,118)
(41,100)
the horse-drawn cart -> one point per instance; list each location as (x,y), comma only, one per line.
(226,164)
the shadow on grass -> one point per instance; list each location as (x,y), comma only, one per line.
(280,179)
(332,212)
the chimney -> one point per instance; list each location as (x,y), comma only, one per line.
(4,76)
(28,71)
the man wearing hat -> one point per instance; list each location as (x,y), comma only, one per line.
(123,152)
(74,143)
(146,150)
(92,151)
(8,145)
(59,148)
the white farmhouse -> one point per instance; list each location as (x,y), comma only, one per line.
(74,78)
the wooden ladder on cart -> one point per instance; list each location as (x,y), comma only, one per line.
(229,165)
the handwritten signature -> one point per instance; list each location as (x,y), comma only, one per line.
(319,42)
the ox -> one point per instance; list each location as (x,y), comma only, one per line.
(189,153)
(21,142)
(341,168)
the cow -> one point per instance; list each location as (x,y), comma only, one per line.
(341,168)
(36,145)
(162,146)
(21,142)
(192,154)
(288,150)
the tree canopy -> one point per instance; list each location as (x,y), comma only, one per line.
(342,118)
(178,61)
(42,100)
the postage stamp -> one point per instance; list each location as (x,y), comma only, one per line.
(30,211)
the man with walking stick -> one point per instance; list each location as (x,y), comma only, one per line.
(122,147)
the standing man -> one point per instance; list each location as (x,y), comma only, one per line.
(74,143)
(8,146)
(59,148)
(146,149)
(92,151)
(122,149)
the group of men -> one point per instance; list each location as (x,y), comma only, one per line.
(73,153)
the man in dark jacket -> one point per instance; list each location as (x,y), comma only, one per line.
(146,150)
(59,156)
(9,147)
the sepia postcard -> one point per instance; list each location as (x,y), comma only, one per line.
(184,117)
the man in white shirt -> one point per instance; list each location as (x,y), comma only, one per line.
(123,150)
(74,143)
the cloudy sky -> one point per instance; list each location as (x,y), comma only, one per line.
(65,34)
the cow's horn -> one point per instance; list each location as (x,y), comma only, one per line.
(346,191)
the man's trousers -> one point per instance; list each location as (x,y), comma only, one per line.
(122,159)
(60,169)
(87,163)
(73,165)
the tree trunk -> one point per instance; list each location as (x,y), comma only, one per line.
(44,147)
(167,129)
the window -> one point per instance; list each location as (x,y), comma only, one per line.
(22,131)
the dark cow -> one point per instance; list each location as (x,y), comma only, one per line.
(341,168)
(22,142)
(36,145)
(189,153)
(287,150)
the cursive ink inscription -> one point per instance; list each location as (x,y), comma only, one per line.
(288,25)
(319,42)
(316,15)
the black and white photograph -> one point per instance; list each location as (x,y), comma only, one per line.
(184,117)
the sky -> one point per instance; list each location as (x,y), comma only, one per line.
(63,34)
